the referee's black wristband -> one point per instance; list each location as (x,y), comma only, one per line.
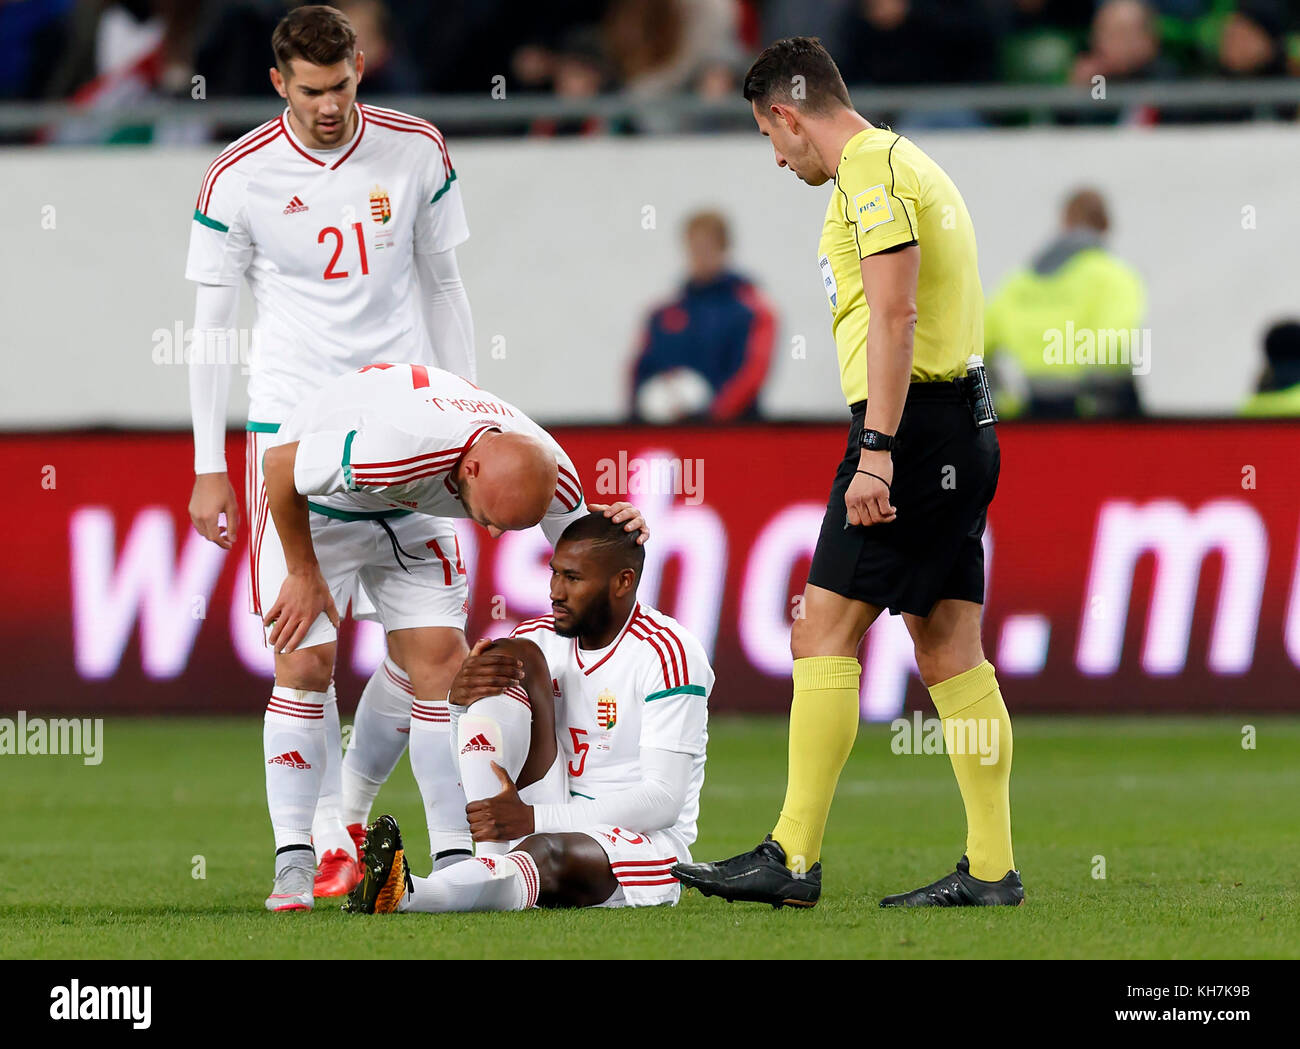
(877,477)
(875,441)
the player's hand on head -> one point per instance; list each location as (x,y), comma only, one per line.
(867,502)
(485,672)
(213,496)
(625,514)
(501,818)
(303,596)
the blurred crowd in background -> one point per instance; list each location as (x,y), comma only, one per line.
(89,49)
(706,353)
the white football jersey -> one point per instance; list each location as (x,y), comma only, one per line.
(326,240)
(649,688)
(391,436)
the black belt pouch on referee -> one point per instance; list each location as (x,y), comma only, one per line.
(945,474)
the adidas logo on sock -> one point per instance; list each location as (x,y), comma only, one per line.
(292,759)
(479,742)
(294,206)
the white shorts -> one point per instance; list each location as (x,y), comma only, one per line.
(640,862)
(420,583)
(256,442)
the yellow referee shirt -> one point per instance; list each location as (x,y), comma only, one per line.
(887,193)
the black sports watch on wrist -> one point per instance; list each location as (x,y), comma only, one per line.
(875,441)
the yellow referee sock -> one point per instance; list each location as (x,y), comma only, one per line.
(823,726)
(977,736)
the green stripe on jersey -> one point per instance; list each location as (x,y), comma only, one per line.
(220,227)
(255,427)
(355,515)
(680,690)
(347,461)
(445,186)
(575,794)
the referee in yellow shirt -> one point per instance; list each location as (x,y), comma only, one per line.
(907,507)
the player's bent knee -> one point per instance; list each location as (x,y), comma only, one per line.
(309,669)
(548,854)
(527,653)
(572,870)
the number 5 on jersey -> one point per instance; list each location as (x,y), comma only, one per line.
(333,231)
(580,749)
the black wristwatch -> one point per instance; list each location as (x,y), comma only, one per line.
(875,441)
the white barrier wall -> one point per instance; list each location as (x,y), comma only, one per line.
(561,268)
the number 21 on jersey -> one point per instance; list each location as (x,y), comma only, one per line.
(336,234)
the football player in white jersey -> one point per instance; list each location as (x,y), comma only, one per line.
(344,219)
(360,486)
(630,689)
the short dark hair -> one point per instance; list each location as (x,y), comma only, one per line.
(317,34)
(773,77)
(620,547)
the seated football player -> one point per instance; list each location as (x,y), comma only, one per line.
(581,743)
(361,484)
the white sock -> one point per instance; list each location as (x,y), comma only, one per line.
(438,778)
(495,729)
(509,883)
(379,734)
(327,831)
(293,745)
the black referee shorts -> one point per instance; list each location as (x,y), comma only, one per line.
(945,473)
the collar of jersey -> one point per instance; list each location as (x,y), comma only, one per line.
(855,142)
(314,156)
(602,654)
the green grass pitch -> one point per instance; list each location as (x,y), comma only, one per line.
(1198,835)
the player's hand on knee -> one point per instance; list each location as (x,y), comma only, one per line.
(303,597)
(485,672)
(213,496)
(625,514)
(503,818)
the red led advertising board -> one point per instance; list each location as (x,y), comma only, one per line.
(1131,568)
